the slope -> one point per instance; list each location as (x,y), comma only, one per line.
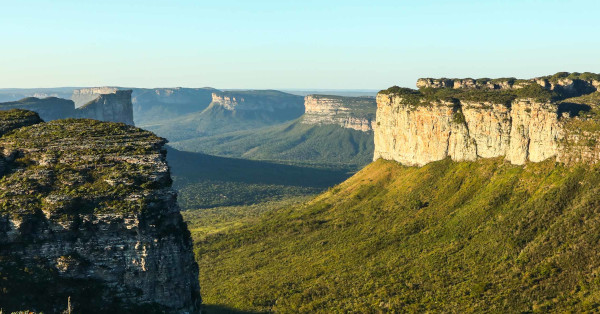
(291,141)
(250,110)
(205,181)
(447,237)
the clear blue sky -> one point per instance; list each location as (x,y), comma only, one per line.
(290,44)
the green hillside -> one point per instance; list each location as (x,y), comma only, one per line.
(447,237)
(291,141)
(205,181)
(268,108)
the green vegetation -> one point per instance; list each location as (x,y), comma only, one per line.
(205,181)
(290,142)
(216,119)
(73,166)
(481,236)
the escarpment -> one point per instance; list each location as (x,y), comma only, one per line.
(356,113)
(87,212)
(533,122)
(105,104)
(285,105)
(112,107)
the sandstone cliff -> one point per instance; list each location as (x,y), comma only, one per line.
(356,113)
(87,212)
(533,122)
(84,95)
(112,107)
(259,100)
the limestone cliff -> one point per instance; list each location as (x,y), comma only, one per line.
(259,100)
(112,107)
(531,123)
(356,113)
(87,212)
(84,95)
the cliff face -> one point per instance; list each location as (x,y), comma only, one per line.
(83,96)
(87,212)
(415,130)
(113,107)
(259,100)
(151,105)
(356,113)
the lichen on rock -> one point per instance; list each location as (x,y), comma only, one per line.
(87,211)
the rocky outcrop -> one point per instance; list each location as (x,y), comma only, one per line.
(151,105)
(258,100)
(416,128)
(112,107)
(84,95)
(356,113)
(87,212)
(565,84)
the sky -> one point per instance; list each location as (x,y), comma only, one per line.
(283,44)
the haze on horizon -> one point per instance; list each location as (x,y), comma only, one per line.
(290,45)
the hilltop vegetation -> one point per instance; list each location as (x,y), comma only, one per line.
(292,142)
(467,236)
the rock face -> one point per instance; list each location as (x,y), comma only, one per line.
(259,100)
(83,96)
(415,128)
(87,212)
(568,84)
(356,113)
(113,107)
(151,105)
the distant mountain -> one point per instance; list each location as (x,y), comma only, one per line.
(232,111)
(333,130)
(13,94)
(156,104)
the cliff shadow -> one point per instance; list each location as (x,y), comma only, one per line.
(205,181)
(574,109)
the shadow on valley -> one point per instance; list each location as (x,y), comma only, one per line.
(205,181)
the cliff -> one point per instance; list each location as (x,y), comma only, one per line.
(356,113)
(276,102)
(156,104)
(84,95)
(533,122)
(87,212)
(112,107)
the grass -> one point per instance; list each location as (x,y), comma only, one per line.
(469,236)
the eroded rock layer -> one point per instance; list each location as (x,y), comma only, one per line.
(87,212)
(534,123)
(356,113)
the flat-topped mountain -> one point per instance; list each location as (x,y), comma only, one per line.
(113,106)
(332,130)
(233,111)
(356,113)
(87,212)
(531,120)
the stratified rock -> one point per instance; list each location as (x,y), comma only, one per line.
(469,119)
(356,113)
(112,107)
(87,212)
